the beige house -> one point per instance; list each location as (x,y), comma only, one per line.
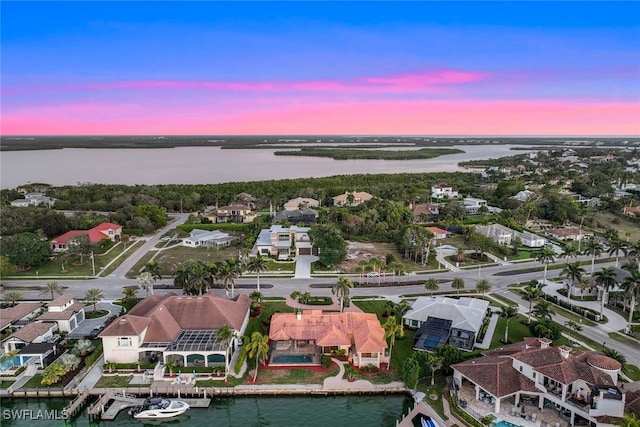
(351,198)
(301,338)
(65,312)
(232,213)
(181,328)
(301,203)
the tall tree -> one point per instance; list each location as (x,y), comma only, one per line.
(431,284)
(192,276)
(546,256)
(257,265)
(145,281)
(574,274)
(569,251)
(434,362)
(93,296)
(615,247)
(25,249)
(6,268)
(543,310)
(51,287)
(258,349)
(457,284)
(574,326)
(606,279)
(341,290)
(392,329)
(61,257)
(594,248)
(508,312)
(154,268)
(631,286)
(531,293)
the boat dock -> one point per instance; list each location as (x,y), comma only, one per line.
(122,401)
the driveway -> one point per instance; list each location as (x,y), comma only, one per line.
(86,326)
(303,266)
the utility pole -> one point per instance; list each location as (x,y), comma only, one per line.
(93,264)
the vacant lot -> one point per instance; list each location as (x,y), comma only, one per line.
(357,251)
(604,220)
(170,259)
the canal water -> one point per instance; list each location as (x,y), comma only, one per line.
(334,411)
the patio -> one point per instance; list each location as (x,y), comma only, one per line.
(294,353)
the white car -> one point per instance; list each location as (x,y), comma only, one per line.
(373,274)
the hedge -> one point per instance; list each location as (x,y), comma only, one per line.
(210,227)
(586,312)
(133,231)
(90,359)
(319,301)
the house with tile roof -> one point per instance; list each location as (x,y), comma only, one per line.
(423,212)
(578,387)
(35,332)
(444,320)
(106,230)
(351,198)
(18,315)
(65,311)
(175,327)
(301,203)
(301,338)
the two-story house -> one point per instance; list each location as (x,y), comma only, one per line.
(65,312)
(283,242)
(233,213)
(579,387)
(106,230)
(443,190)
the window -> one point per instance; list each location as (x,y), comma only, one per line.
(520,369)
(366,354)
(124,342)
(534,375)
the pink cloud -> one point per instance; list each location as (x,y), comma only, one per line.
(263,116)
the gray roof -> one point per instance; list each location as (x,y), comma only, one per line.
(465,313)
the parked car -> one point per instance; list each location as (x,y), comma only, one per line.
(95,331)
(373,274)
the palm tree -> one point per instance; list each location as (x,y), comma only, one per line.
(225,334)
(129,294)
(457,284)
(631,286)
(145,281)
(628,420)
(615,355)
(574,273)
(431,284)
(483,286)
(594,248)
(569,251)
(575,327)
(459,255)
(192,276)
(615,247)
(258,349)
(51,287)
(12,297)
(435,362)
(228,272)
(257,265)
(606,278)
(531,293)
(543,310)
(154,268)
(93,296)
(508,312)
(392,329)
(546,256)
(341,290)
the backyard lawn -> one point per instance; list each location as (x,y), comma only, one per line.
(114,381)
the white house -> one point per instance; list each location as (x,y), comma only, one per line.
(505,235)
(442,320)
(473,205)
(34,199)
(207,239)
(443,190)
(283,242)
(36,332)
(65,312)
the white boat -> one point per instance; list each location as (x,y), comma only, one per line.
(427,422)
(159,407)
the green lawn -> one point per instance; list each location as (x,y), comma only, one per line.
(255,324)
(34,382)
(623,338)
(439,389)
(131,248)
(632,372)
(517,330)
(115,381)
(5,384)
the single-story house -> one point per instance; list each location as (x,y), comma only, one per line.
(631,210)
(64,311)
(439,233)
(301,338)
(180,328)
(442,320)
(207,239)
(505,235)
(351,198)
(569,233)
(19,315)
(106,230)
(579,387)
(296,216)
(283,242)
(301,203)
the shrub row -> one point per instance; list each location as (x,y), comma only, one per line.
(585,312)
(133,231)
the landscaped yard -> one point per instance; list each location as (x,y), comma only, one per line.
(115,381)
(269,308)
(5,384)
(34,382)
(294,375)
(438,390)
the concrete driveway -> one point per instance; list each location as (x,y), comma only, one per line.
(86,326)
(303,266)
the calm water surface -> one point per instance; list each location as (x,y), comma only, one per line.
(378,411)
(205,165)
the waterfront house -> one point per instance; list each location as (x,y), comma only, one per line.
(31,333)
(301,338)
(65,311)
(300,203)
(351,198)
(283,242)
(444,320)
(18,315)
(207,239)
(106,230)
(181,328)
(580,388)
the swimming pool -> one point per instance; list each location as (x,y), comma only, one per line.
(292,358)
(503,423)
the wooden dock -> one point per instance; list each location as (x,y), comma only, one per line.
(76,404)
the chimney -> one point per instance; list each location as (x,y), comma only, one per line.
(299,315)
(545,342)
(564,351)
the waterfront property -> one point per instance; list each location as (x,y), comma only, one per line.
(18,315)
(105,230)
(577,387)
(180,328)
(301,338)
(444,320)
(283,242)
(65,312)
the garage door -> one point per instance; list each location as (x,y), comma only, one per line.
(305,251)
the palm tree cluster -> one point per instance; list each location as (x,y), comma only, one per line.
(195,277)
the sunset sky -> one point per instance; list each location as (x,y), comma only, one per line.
(366,68)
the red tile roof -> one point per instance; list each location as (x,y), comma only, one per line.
(95,234)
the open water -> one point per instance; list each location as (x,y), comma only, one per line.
(338,411)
